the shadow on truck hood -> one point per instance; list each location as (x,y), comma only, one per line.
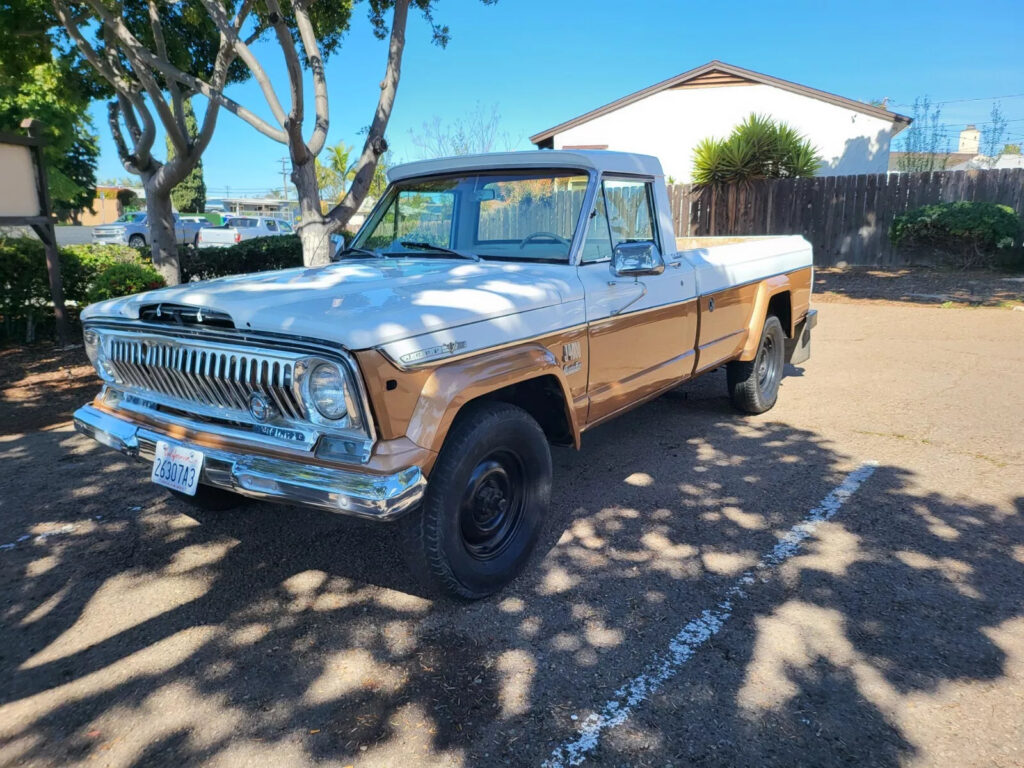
(364,303)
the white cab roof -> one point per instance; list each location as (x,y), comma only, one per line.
(588,159)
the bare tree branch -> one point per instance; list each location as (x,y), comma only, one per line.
(375,145)
(161,50)
(293,123)
(225,27)
(316,65)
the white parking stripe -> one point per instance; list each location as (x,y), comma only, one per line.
(698,631)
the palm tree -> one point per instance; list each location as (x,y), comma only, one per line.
(757,148)
(338,158)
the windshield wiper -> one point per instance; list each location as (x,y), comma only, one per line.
(431,247)
(362,251)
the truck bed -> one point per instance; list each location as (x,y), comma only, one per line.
(728,262)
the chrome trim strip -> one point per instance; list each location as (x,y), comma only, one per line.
(343,491)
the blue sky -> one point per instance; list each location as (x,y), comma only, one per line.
(545,61)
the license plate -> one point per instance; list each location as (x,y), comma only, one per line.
(177,467)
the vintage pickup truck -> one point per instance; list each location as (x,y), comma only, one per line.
(489,307)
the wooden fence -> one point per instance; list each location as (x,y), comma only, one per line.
(845,218)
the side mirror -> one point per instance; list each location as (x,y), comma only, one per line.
(635,259)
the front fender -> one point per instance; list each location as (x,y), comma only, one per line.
(452,385)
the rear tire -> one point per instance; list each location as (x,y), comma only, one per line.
(210,499)
(754,384)
(485,504)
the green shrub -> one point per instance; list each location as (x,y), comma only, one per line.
(25,304)
(257,255)
(123,279)
(971,234)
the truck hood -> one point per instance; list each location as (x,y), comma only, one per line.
(365,303)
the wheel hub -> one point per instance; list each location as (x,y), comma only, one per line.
(492,504)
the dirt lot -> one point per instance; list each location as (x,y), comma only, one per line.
(137,633)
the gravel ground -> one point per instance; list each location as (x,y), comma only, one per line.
(136,632)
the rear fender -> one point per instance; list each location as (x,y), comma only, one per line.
(768,288)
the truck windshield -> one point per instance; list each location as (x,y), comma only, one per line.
(504,215)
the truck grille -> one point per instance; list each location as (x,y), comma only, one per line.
(219,379)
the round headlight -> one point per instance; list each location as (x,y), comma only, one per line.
(92,345)
(327,389)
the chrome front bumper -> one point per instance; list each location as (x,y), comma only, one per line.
(373,497)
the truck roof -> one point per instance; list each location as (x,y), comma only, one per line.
(588,159)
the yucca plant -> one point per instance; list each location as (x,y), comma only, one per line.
(757,148)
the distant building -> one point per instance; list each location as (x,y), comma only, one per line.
(970,141)
(254,206)
(670,118)
(109,204)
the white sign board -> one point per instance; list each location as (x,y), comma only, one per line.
(19,194)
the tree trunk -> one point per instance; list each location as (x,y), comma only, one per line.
(314,230)
(162,239)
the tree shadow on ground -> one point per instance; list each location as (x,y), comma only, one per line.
(930,286)
(287,636)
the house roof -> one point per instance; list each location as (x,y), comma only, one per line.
(718,73)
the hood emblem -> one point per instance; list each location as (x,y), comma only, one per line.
(260,409)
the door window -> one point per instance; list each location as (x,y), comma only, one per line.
(630,211)
(598,245)
(271,225)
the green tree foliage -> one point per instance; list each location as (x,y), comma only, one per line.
(993,135)
(40,78)
(925,143)
(189,194)
(757,148)
(1011,149)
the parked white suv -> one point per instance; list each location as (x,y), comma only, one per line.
(238,228)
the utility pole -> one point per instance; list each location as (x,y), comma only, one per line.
(284,177)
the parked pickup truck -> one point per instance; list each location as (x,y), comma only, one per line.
(133,229)
(238,228)
(489,307)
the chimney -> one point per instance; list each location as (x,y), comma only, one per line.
(970,140)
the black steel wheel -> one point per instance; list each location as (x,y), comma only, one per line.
(485,504)
(754,384)
(492,504)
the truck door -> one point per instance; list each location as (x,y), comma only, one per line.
(641,330)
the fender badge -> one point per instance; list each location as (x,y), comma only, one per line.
(425,354)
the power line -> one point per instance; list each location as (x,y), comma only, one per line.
(960,101)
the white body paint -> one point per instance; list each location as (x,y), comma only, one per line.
(427,308)
(699,630)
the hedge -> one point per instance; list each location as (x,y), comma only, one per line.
(86,272)
(96,272)
(257,255)
(970,234)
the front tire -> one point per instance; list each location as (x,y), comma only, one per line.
(754,384)
(485,504)
(137,241)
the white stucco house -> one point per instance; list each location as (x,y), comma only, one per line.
(670,118)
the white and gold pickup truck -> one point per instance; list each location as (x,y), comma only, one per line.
(491,306)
